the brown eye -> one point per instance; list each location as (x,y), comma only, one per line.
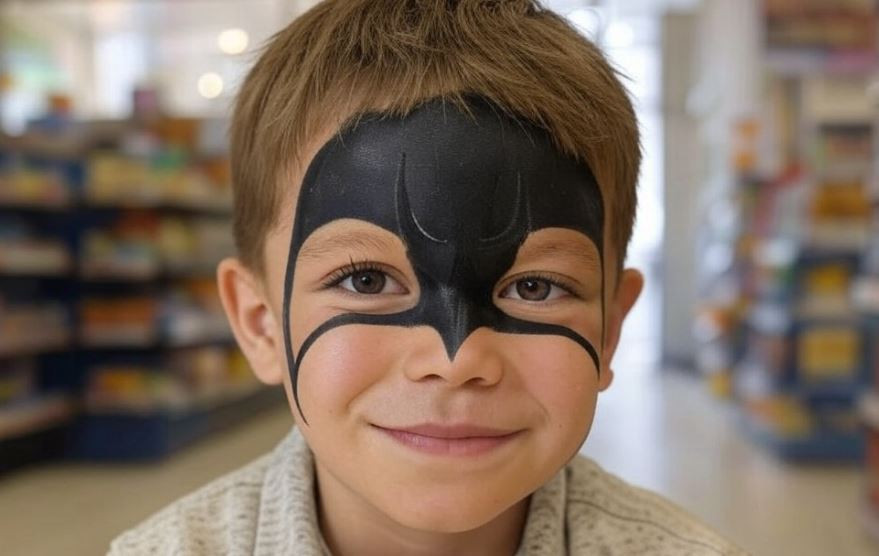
(533,290)
(368,281)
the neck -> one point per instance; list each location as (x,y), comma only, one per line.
(352,526)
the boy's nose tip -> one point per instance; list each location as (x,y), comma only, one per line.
(471,359)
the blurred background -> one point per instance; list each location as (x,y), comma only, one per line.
(747,381)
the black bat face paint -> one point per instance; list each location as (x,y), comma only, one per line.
(462,192)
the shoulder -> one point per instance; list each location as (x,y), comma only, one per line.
(606,515)
(219,518)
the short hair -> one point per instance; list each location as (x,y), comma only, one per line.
(346,57)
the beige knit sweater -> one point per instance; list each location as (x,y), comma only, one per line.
(267,508)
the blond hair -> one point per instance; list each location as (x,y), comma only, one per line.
(346,57)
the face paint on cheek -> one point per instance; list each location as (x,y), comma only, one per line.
(462,192)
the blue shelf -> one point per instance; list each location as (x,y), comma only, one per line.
(824,445)
(133,437)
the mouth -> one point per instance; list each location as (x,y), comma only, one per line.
(450,440)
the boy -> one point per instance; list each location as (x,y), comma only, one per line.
(433,201)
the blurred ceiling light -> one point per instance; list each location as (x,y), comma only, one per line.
(233,41)
(587,21)
(108,15)
(210,85)
(619,35)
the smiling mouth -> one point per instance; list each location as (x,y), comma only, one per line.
(456,440)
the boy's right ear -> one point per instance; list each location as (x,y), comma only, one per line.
(250,316)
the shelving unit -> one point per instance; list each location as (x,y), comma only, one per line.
(37,261)
(113,343)
(786,242)
(865,296)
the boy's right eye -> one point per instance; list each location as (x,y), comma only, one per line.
(371,282)
(364,279)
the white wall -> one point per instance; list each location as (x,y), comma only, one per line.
(712,77)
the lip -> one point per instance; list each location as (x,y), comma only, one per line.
(452,440)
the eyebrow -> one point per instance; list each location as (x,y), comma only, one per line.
(581,253)
(353,240)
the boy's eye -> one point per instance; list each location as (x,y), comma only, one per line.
(370,282)
(533,289)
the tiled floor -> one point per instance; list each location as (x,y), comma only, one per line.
(658,430)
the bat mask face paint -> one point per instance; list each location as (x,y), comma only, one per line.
(462,192)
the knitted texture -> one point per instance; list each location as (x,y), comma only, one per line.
(267,508)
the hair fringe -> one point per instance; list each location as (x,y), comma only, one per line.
(346,57)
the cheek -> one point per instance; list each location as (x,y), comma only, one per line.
(339,366)
(560,376)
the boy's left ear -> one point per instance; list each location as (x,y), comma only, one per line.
(622,300)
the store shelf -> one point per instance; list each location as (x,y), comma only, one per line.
(184,331)
(820,445)
(127,435)
(36,344)
(145,274)
(43,445)
(34,415)
(35,205)
(120,247)
(205,207)
(45,259)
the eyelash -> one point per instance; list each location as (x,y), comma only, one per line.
(340,275)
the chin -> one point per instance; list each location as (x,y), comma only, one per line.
(447,516)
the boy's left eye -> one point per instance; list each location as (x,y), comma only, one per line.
(533,289)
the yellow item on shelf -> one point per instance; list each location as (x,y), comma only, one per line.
(720,385)
(828,352)
(827,280)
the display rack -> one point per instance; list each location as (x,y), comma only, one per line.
(865,295)
(786,241)
(111,330)
(37,290)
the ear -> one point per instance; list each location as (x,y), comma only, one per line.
(624,297)
(251,318)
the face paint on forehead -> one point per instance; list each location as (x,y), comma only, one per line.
(462,191)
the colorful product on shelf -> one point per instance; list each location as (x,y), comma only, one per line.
(193,314)
(145,245)
(827,353)
(190,313)
(119,322)
(184,381)
(23,252)
(32,328)
(127,250)
(34,414)
(38,188)
(819,35)
(34,257)
(166,178)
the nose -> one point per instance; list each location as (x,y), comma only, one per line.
(476,362)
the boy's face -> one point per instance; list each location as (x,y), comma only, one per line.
(438,314)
